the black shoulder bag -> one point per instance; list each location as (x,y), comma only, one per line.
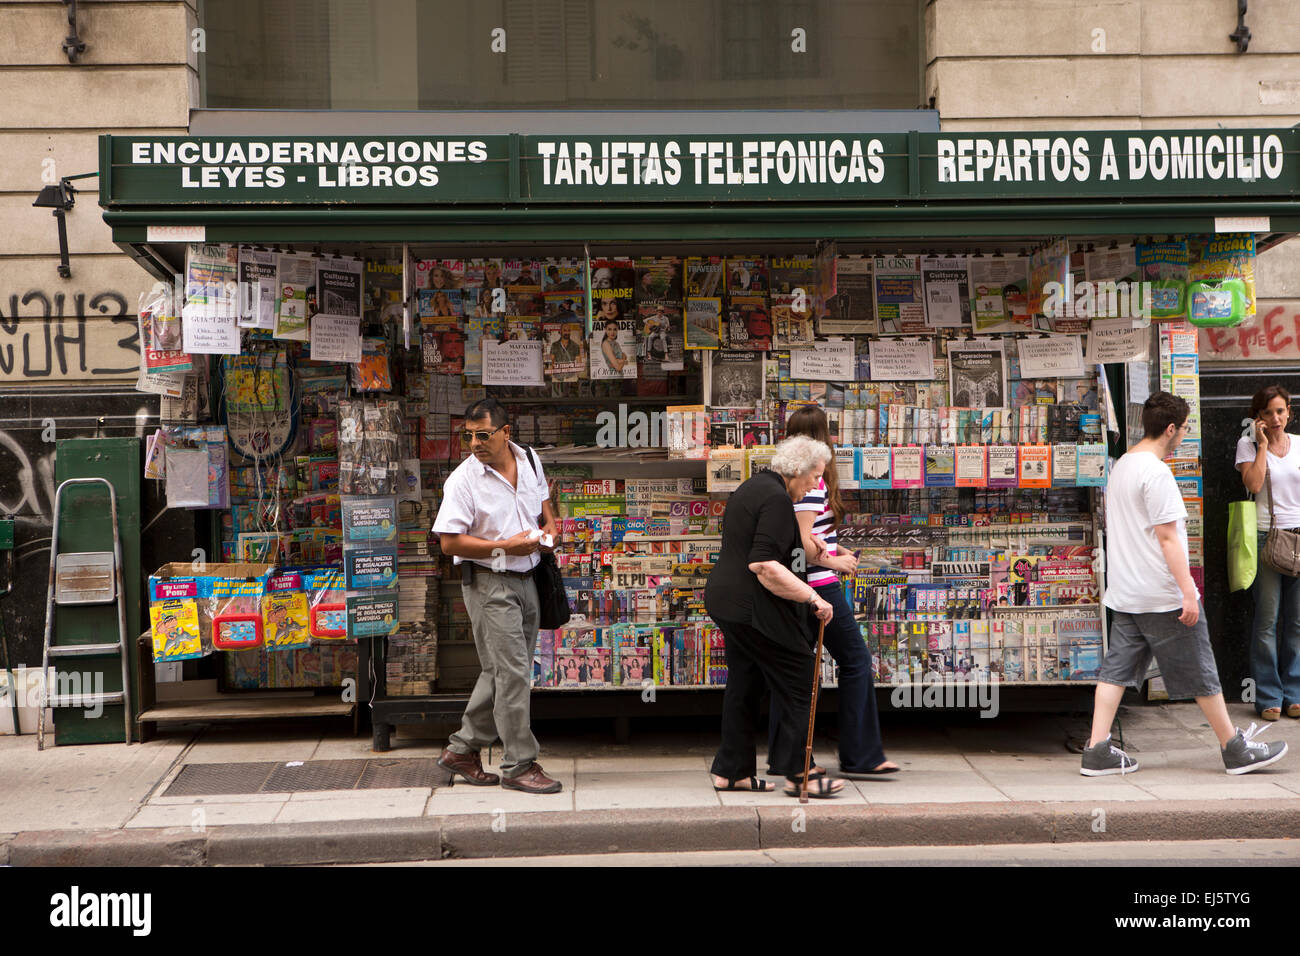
(554,602)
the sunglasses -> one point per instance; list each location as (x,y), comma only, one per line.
(468,436)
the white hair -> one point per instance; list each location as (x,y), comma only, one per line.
(799,455)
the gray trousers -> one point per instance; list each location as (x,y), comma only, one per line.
(504,612)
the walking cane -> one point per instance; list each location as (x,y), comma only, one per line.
(812,712)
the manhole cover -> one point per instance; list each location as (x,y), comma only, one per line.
(210,779)
(214,779)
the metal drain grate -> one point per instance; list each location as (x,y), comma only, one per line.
(210,779)
(395,773)
(214,779)
(315,775)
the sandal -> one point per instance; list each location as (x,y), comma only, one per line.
(819,786)
(1271,713)
(877,772)
(755,786)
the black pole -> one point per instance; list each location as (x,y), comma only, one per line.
(65,269)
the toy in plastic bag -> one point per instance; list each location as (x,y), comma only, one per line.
(285,613)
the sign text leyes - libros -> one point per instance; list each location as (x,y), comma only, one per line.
(213,163)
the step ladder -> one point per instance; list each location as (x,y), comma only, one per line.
(80,578)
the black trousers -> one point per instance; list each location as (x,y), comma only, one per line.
(753,662)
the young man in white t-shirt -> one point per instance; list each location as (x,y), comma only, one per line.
(1155,606)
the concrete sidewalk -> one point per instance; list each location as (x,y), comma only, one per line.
(964,781)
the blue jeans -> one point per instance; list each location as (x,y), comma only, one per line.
(1275,641)
(860,746)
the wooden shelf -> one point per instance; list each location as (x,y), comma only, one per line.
(228,707)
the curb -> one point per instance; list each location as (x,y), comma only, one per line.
(574,832)
(676,829)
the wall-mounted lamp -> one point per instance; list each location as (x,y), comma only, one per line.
(73,45)
(1241,35)
(61,197)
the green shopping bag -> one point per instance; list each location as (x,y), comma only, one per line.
(1243,545)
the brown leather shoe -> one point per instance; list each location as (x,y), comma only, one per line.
(469,767)
(532,780)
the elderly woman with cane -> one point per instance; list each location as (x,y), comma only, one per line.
(764,610)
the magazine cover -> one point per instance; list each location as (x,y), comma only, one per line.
(660,336)
(383,290)
(257,288)
(659,278)
(704,276)
(900,304)
(564,290)
(749,326)
(565,358)
(746,276)
(438,303)
(724,433)
(439,273)
(852,310)
(788,274)
(737,380)
(523,328)
(756,433)
(793,325)
(612,346)
(704,323)
(1049,263)
(999,288)
(947,292)
(483,274)
(977,374)
(372,373)
(477,330)
(725,469)
(523,278)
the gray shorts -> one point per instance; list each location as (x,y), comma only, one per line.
(1183,653)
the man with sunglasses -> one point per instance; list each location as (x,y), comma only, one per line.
(488,521)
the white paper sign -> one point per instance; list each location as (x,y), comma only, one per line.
(1118,345)
(335,338)
(824,362)
(512,363)
(900,360)
(211,308)
(1056,356)
(206,333)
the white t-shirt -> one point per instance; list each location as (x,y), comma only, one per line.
(1285,473)
(1141,494)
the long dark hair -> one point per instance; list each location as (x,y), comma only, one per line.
(1264,396)
(810,420)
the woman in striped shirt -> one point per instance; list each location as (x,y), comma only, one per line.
(818,514)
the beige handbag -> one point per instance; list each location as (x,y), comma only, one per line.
(1281,548)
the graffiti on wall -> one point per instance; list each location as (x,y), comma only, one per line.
(1272,335)
(56,335)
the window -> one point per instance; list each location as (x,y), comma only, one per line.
(564,54)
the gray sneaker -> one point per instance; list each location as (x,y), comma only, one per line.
(1101,759)
(1244,754)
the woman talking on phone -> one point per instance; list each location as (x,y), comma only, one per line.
(1271,457)
(819,512)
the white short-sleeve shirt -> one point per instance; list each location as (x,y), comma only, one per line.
(477,500)
(1284,473)
(1141,494)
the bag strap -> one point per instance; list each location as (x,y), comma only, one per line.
(532,460)
(1268,484)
